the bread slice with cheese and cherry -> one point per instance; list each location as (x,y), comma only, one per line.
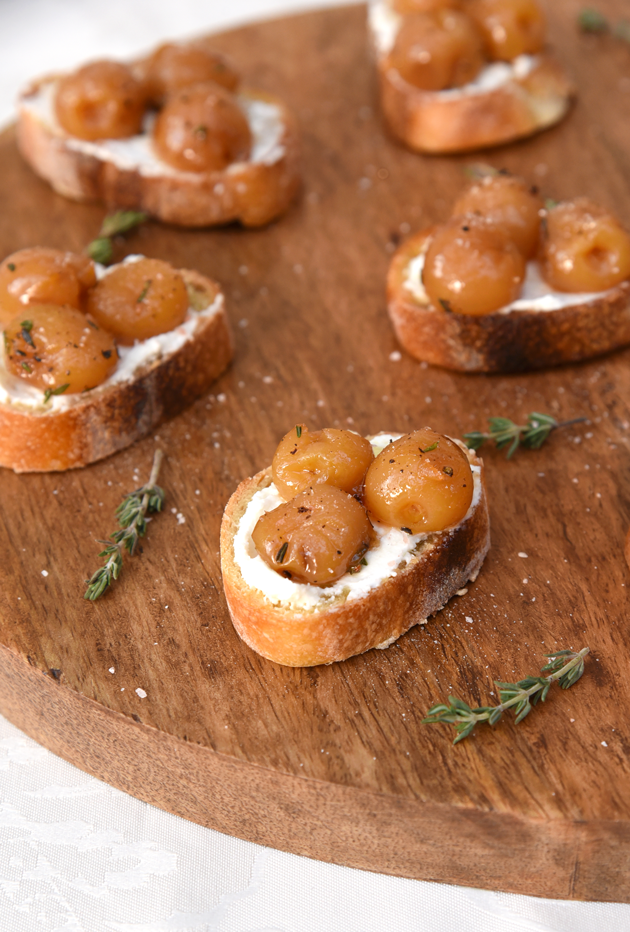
(345,543)
(92,358)
(508,285)
(172,135)
(456,75)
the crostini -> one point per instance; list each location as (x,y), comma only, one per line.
(507,285)
(171,135)
(345,543)
(456,75)
(92,358)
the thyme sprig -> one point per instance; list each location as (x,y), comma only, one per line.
(101,249)
(591,20)
(565,667)
(132,518)
(532,435)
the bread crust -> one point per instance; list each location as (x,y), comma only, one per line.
(518,341)
(304,639)
(435,122)
(252,193)
(110,417)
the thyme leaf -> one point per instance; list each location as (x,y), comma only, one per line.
(55,391)
(122,221)
(564,666)
(132,518)
(531,435)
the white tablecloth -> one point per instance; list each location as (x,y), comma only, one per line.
(79,856)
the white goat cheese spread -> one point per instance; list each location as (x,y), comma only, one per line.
(136,152)
(536,294)
(384,24)
(392,552)
(17,392)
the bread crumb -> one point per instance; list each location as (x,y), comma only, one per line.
(604,744)
(112,669)
(523,555)
(395,356)
(44,572)
(460,592)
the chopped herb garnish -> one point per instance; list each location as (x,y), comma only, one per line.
(281,554)
(55,391)
(446,305)
(298,431)
(407,530)
(550,203)
(27,326)
(11,266)
(143,293)
(201,131)
(26,366)
(433,446)
(448,470)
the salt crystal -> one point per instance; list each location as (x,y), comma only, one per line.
(141,693)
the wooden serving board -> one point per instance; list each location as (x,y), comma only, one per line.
(333,762)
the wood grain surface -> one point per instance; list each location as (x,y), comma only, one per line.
(333,762)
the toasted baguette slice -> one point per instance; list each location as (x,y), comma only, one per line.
(341,627)
(126,173)
(531,94)
(70,431)
(514,340)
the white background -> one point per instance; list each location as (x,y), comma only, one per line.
(79,856)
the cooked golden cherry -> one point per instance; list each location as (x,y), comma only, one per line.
(316,537)
(202,128)
(510,27)
(43,276)
(101,100)
(509,204)
(437,50)
(420,483)
(584,247)
(138,300)
(405,7)
(305,458)
(179,64)
(58,349)
(472,268)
